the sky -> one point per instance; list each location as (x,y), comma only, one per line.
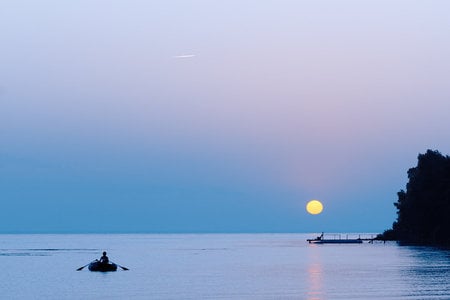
(216,116)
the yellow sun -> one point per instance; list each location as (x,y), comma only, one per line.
(314,207)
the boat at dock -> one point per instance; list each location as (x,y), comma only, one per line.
(335,241)
(322,240)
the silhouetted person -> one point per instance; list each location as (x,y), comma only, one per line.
(104,259)
(320,237)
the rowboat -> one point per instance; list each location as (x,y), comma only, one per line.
(102,267)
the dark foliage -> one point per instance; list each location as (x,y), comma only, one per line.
(423,210)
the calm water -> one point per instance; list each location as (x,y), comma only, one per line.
(218,266)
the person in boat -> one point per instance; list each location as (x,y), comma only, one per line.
(319,238)
(104,259)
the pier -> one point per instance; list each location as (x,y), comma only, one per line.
(337,239)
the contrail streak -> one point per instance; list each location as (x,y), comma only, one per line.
(184,56)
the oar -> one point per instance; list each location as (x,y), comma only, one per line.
(81,268)
(123,268)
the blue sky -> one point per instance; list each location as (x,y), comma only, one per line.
(207,116)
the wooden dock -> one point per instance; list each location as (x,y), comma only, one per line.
(359,240)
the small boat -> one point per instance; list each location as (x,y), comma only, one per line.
(102,267)
(335,241)
(321,240)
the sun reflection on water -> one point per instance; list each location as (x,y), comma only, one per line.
(315,276)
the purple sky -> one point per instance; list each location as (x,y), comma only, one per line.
(216,116)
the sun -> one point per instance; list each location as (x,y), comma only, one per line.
(314,207)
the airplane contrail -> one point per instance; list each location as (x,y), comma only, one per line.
(184,56)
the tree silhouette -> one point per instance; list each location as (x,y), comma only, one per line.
(423,210)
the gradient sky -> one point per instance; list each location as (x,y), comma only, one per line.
(216,116)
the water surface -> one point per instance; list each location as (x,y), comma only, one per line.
(219,266)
